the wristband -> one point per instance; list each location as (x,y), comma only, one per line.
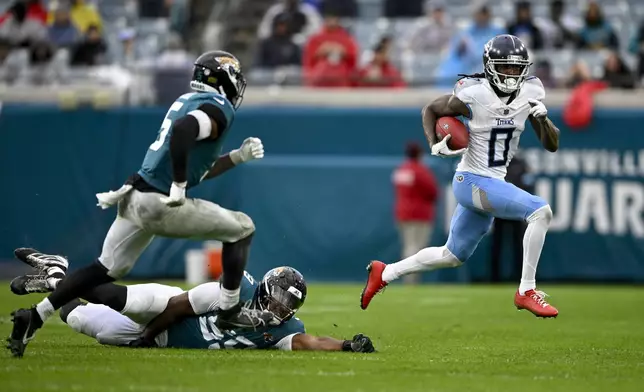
(346,345)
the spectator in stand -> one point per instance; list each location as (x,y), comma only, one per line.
(464,54)
(543,70)
(330,56)
(616,72)
(431,33)
(579,73)
(11,62)
(62,31)
(279,49)
(303,20)
(154,8)
(380,72)
(637,48)
(597,33)
(35,10)
(91,50)
(20,29)
(41,70)
(560,29)
(416,195)
(524,27)
(343,8)
(403,8)
(175,54)
(83,16)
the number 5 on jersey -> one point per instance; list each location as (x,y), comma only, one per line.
(165,126)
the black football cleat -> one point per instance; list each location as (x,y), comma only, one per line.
(40,261)
(25,324)
(29,284)
(242,317)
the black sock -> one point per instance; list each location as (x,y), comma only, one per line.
(233,262)
(78,283)
(108,294)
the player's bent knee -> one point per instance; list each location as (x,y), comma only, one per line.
(451,259)
(542,214)
(247,227)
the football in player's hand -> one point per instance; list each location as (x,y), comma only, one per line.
(452,126)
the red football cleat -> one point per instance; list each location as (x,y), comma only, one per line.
(534,301)
(374,285)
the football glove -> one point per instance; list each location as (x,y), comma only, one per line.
(440,149)
(177,195)
(538,109)
(359,344)
(251,149)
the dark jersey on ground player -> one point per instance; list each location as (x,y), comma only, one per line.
(156,169)
(200,332)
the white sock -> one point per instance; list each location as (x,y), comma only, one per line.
(427,259)
(45,309)
(533,239)
(228,298)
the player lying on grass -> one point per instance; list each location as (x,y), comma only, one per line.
(164,316)
(153,201)
(496,104)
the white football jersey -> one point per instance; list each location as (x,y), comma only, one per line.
(495,127)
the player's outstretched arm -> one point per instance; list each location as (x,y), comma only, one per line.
(359,344)
(178,308)
(545,129)
(444,106)
(251,149)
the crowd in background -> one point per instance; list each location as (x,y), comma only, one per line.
(320,37)
(330,43)
(41,41)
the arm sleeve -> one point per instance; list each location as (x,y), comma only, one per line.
(205,297)
(184,135)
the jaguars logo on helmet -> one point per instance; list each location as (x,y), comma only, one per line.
(282,291)
(219,71)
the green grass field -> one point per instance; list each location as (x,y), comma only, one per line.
(432,338)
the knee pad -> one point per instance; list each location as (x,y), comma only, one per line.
(146,301)
(75,320)
(247,223)
(542,214)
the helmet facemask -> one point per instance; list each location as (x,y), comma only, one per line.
(282,303)
(508,75)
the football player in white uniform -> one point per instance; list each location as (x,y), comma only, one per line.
(496,105)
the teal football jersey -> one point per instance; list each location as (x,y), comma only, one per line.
(156,169)
(201,332)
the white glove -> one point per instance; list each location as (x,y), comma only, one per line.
(538,109)
(177,195)
(251,149)
(440,149)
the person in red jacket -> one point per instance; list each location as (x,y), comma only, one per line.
(330,56)
(416,195)
(35,10)
(380,72)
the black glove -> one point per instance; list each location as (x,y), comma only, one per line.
(359,344)
(142,343)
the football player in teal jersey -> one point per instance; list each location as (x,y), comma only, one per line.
(166,316)
(153,202)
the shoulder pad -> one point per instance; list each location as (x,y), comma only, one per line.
(465,83)
(534,88)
